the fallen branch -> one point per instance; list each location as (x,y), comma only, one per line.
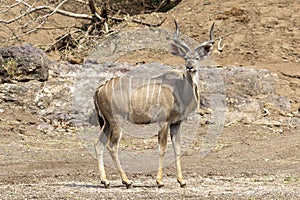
(148,24)
(220,48)
(165,4)
(51,46)
(219,45)
(52,9)
(10,7)
(230,123)
(137,21)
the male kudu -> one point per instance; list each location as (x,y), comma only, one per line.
(161,99)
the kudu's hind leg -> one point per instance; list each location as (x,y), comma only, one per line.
(113,147)
(175,137)
(99,148)
(162,142)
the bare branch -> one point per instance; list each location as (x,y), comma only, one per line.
(137,21)
(51,46)
(230,33)
(166,4)
(70,14)
(83,2)
(162,4)
(149,24)
(53,11)
(10,7)
(220,48)
(24,17)
(219,45)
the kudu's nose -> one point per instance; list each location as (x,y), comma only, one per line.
(189,67)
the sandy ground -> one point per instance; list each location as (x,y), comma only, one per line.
(248,162)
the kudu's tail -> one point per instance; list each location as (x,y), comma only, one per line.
(101,118)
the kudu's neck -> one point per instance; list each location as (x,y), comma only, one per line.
(191,77)
(189,93)
(193,81)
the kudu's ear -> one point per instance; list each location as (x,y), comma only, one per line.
(205,49)
(177,50)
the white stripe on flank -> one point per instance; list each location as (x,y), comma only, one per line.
(113,92)
(136,87)
(129,95)
(159,90)
(130,86)
(147,96)
(106,84)
(121,88)
(153,90)
(142,93)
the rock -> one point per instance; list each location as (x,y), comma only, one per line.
(21,93)
(23,63)
(67,96)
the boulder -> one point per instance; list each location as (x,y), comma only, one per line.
(22,64)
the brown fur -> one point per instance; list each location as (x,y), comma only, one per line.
(162,100)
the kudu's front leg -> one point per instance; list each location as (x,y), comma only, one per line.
(175,137)
(162,145)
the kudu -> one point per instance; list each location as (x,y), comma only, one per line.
(176,99)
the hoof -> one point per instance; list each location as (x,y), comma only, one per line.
(182,183)
(128,184)
(106,184)
(159,184)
